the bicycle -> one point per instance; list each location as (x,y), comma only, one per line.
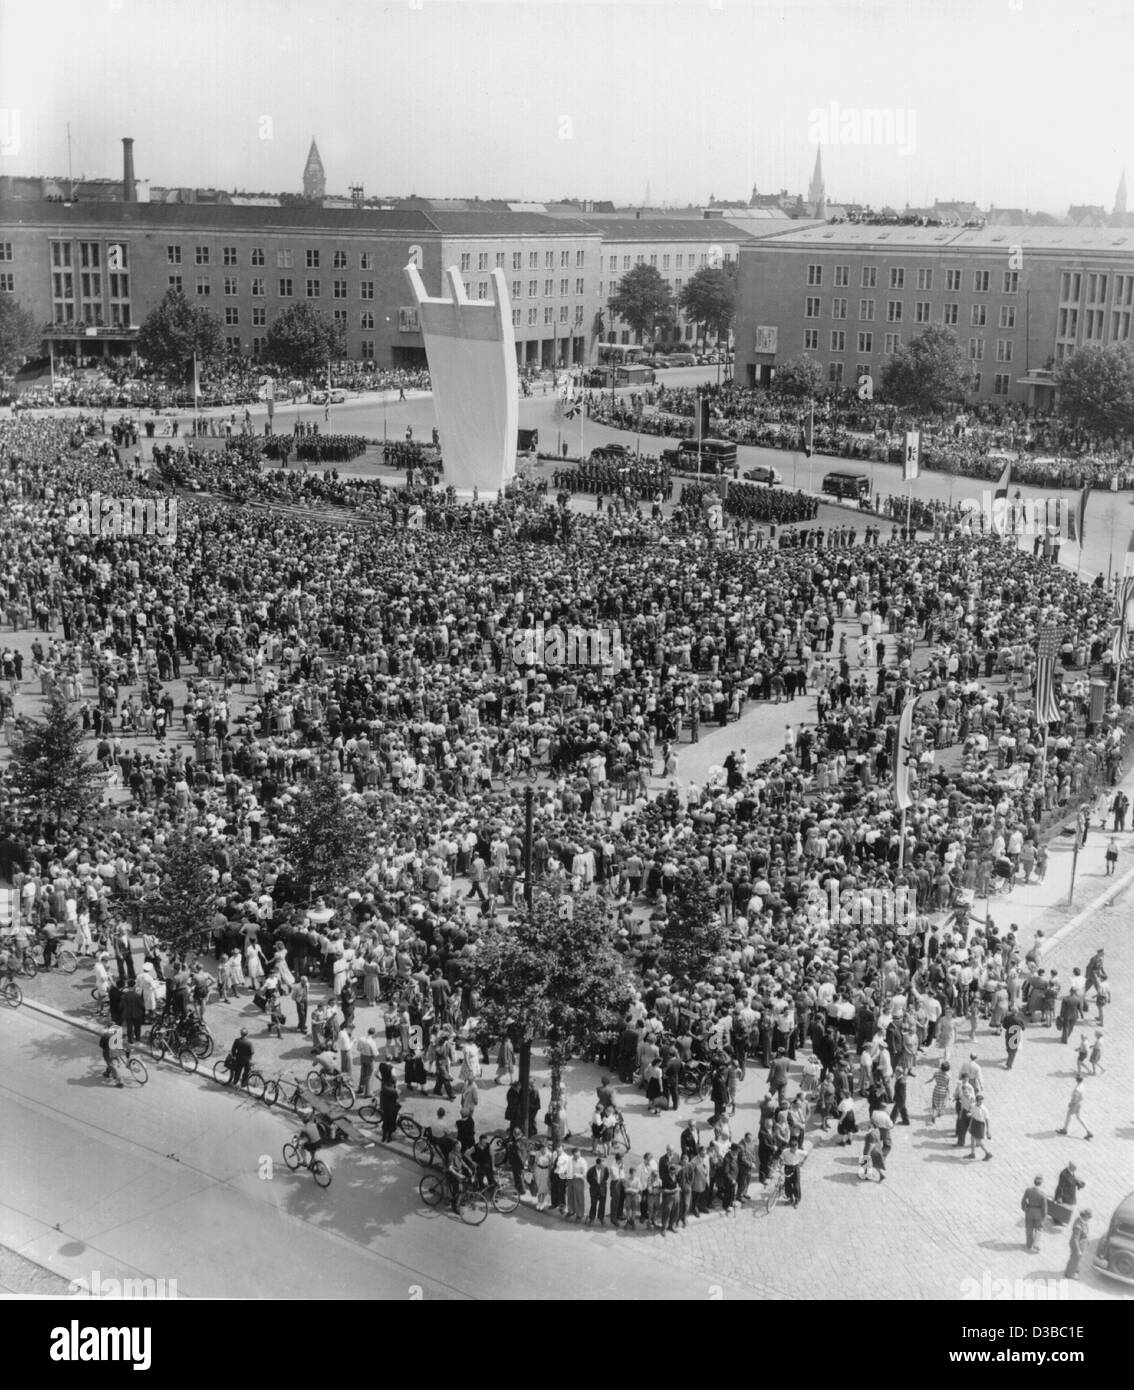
(428,1152)
(100,1001)
(611,1136)
(226,1068)
(165,1046)
(25,963)
(775,1186)
(287,1091)
(187,1031)
(11,993)
(297,1155)
(472,1206)
(337,1085)
(130,1068)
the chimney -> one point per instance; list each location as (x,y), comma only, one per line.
(129,187)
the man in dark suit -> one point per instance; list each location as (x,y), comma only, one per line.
(1034,1206)
(598,1183)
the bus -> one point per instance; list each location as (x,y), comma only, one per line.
(620,354)
(718,456)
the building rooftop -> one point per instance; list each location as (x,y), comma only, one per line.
(859,235)
(26,212)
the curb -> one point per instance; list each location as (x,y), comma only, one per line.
(1119,885)
(60,1017)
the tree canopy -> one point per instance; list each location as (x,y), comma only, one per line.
(929,373)
(709,298)
(643,300)
(328,839)
(176,330)
(19,334)
(303,340)
(798,376)
(179,911)
(694,933)
(1096,388)
(50,767)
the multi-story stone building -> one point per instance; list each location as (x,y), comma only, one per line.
(1018,299)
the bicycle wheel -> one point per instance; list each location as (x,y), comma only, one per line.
(137,1069)
(505,1198)
(303,1108)
(222,1072)
(67,961)
(187,1060)
(159,1047)
(159,1037)
(344,1094)
(409,1127)
(255,1085)
(621,1136)
(472,1208)
(320,1172)
(201,1041)
(29,966)
(13,995)
(271,1093)
(291,1156)
(704,1086)
(423,1152)
(772,1196)
(432,1189)
(315,1083)
(370,1114)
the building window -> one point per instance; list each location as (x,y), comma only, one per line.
(366,349)
(564,285)
(312,258)
(564,259)
(866,343)
(259,316)
(842,276)
(204,289)
(897,278)
(838,308)
(516,313)
(1007,316)
(533,288)
(533,260)
(953,281)
(626,262)
(1123,291)
(976,349)
(7,282)
(1068,323)
(366,289)
(679,261)
(949,315)
(533,317)
(228,255)
(232,344)
(893,343)
(1093,324)
(869,277)
(517,289)
(563,312)
(517,260)
(285,288)
(924,278)
(313,290)
(893,311)
(654,262)
(202,255)
(548,288)
(258,256)
(838,340)
(866,310)
(258,288)
(922,310)
(549,315)
(481,261)
(811,308)
(257,347)
(173,255)
(284,260)
(61,255)
(500,259)
(811,340)
(835,373)
(5,250)
(339,317)
(1070,287)
(549,260)
(366,318)
(814,274)
(482,289)
(578,313)
(980,281)
(231,316)
(366,260)
(1096,289)
(1011,281)
(175,283)
(579,289)
(976,383)
(338,261)
(230,286)
(665,262)
(978,315)
(580,259)
(1119,325)
(1004,348)
(338,289)
(1000,384)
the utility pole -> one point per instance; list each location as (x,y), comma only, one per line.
(525,1041)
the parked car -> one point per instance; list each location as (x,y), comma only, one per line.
(1114,1254)
(328,398)
(764,473)
(682,359)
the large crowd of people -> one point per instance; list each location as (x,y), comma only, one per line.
(383,656)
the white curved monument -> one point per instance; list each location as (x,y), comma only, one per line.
(472,369)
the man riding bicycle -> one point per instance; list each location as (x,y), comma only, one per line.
(319,1132)
(112,1047)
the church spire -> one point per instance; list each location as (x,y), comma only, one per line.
(1120,198)
(314,179)
(816,194)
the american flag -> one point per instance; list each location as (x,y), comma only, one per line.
(1047,706)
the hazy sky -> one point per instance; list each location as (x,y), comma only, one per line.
(1024,103)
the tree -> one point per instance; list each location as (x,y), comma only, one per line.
(19,335)
(179,911)
(929,374)
(328,841)
(303,340)
(1096,388)
(709,298)
(552,974)
(174,331)
(799,376)
(643,300)
(50,767)
(694,933)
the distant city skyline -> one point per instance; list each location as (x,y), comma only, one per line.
(909,101)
